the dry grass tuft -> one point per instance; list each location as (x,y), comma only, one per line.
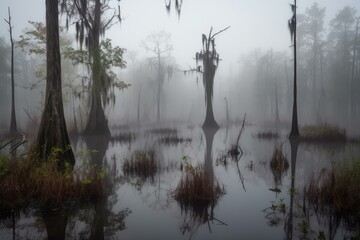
(197,187)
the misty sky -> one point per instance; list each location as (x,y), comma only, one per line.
(254,24)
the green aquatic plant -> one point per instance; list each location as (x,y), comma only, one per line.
(304,226)
(26,179)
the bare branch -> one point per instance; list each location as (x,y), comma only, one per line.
(166,50)
(219,32)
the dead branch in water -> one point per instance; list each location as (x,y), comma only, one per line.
(236,149)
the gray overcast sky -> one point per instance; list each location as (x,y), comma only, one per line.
(254,23)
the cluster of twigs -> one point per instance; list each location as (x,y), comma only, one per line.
(14,143)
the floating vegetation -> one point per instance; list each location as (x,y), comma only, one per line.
(142,164)
(323,133)
(267,135)
(174,140)
(123,137)
(163,131)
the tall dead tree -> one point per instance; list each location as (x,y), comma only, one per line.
(52,132)
(13,126)
(210,60)
(292,27)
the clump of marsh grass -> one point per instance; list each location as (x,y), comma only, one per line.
(142,163)
(267,135)
(278,165)
(163,131)
(278,162)
(337,189)
(174,140)
(197,194)
(123,137)
(322,132)
(197,187)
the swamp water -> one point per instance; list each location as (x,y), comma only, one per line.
(257,200)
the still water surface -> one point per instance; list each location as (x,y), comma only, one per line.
(143,207)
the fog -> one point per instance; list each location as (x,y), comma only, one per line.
(258,28)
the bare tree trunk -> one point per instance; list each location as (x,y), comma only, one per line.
(352,88)
(52,132)
(294,124)
(209,119)
(277,117)
(138,108)
(13,126)
(158,102)
(159,84)
(74,115)
(97,122)
(227,112)
(209,74)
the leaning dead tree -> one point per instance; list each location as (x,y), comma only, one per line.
(210,61)
(13,126)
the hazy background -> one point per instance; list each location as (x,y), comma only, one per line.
(255,24)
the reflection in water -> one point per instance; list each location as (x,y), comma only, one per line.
(278,165)
(294,143)
(55,223)
(234,153)
(103,217)
(309,213)
(198,191)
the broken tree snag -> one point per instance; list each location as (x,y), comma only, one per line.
(210,61)
(13,126)
(236,149)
